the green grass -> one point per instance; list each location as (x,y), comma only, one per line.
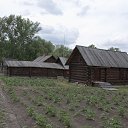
(2,119)
(51,98)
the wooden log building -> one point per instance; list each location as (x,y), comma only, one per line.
(29,68)
(90,64)
(43,66)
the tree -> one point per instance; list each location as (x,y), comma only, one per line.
(92,46)
(16,36)
(41,47)
(18,40)
(61,50)
(114,49)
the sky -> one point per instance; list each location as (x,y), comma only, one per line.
(103,23)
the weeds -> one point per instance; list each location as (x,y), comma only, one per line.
(112,123)
(93,104)
(65,118)
(2,119)
(40,119)
(89,113)
(51,111)
(30,111)
(121,111)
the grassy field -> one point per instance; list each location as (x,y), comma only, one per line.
(54,103)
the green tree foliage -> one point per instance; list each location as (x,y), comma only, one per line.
(92,46)
(16,36)
(114,49)
(19,40)
(61,50)
(41,47)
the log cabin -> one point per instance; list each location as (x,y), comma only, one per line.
(43,66)
(30,68)
(87,65)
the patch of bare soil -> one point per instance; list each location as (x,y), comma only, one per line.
(10,117)
(15,113)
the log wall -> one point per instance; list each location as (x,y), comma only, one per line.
(111,75)
(66,73)
(39,72)
(78,70)
(18,71)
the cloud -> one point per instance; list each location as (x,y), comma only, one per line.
(81,3)
(59,34)
(26,13)
(27,3)
(83,11)
(96,21)
(50,7)
(118,42)
(47,29)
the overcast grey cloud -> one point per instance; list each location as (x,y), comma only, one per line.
(47,29)
(59,34)
(83,11)
(27,3)
(119,42)
(26,13)
(101,22)
(50,6)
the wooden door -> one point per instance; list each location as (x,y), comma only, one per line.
(97,74)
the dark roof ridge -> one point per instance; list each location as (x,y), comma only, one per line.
(100,49)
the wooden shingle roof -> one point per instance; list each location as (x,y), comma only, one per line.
(103,58)
(63,61)
(32,64)
(43,58)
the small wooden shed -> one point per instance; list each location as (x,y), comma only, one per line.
(90,64)
(29,68)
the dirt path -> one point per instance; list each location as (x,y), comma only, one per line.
(10,120)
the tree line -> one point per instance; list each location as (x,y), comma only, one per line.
(19,40)
(111,48)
